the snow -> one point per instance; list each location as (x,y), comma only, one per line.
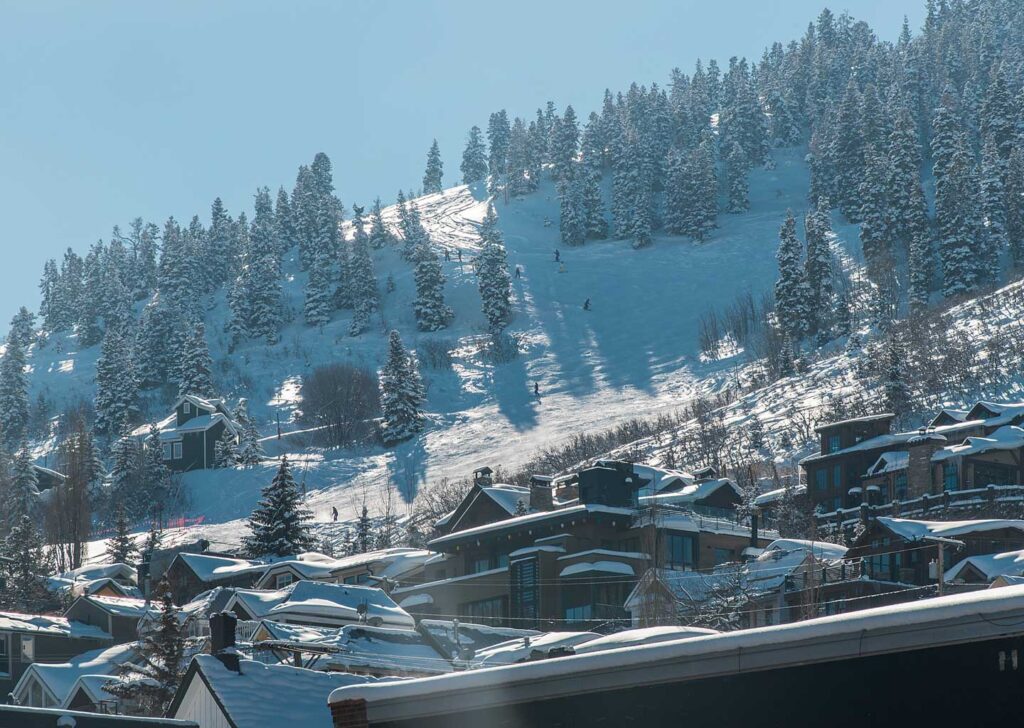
(213,568)
(40,624)
(59,678)
(122,606)
(248,697)
(1008,437)
(318,601)
(508,496)
(416,600)
(911,530)
(1008,563)
(644,636)
(889,462)
(602,567)
(520,650)
(530,519)
(692,493)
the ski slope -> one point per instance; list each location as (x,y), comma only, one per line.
(633,355)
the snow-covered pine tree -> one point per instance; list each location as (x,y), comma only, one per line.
(844,156)
(818,269)
(565,138)
(379,233)
(474,157)
(907,210)
(24,493)
(174,276)
(13,393)
(1015,200)
(153,352)
(791,296)
(284,220)
(522,170)
(432,314)
(364,533)
(363,282)
(279,523)
(498,132)
(116,386)
(736,164)
(435,168)
(26,571)
(492,274)
(320,293)
(920,263)
(263,265)
(195,370)
(50,304)
(226,450)
(121,547)
(894,384)
(957,218)
(572,223)
(250,451)
(993,242)
(151,683)
(23,328)
(401,393)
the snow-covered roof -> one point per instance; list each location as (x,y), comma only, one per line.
(911,530)
(531,518)
(889,462)
(1008,563)
(321,602)
(211,404)
(996,413)
(1007,437)
(599,567)
(360,647)
(897,438)
(885,630)
(521,649)
(201,423)
(507,496)
(774,496)
(122,606)
(60,678)
(93,686)
(48,625)
(207,567)
(244,695)
(852,420)
(99,571)
(416,600)
(471,636)
(957,415)
(637,637)
(693,492)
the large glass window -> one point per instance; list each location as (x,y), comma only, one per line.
(992,474)
(899,485)
(525,593)
(821,479)
(484,611)
(950,476)
(4,655)
(837,476)
(682,551)
(580,613)
(28,649)
(833,443)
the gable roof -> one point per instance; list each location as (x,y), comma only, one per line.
(59,679)
(210,568)
(912,530)
(120,606)
(694,492)
(1007,437)
(243,696)
(889,462)
(948,416)
(1008,563)
(391,563)
(505,496)
(212,404)
(48,625)
(320,602)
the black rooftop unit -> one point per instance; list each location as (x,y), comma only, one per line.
(612,483)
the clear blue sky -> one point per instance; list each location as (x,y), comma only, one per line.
(115,109)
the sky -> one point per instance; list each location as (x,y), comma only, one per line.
(112,110)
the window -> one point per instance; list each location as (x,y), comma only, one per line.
(479,563)
(992,474)
(525,592)
(283,580)
(28,649)
(188,407)
(837,476)
(177,451)
(950,477)
(167,451)
(833,443)
(580,613)
(681,552)
(486,611)
(821,479)
(899,486)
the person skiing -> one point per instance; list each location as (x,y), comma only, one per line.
(536,389)
(519,272)
(334,514)
(447,254)
(586,305)
(460,255)
(558,256)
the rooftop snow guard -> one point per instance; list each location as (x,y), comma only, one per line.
(921,663)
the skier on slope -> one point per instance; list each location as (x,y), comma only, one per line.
(586,305)
(519,272)
(334,514)
(536,389)
(558,256)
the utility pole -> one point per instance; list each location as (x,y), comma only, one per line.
(941,542)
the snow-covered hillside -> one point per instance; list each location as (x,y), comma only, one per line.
(633,355)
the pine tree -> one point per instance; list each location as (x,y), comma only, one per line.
(364,533)
(51,304)
(736,165)
(24,491)
(474,157)
(432,176)
(906,206)
(284,220)
(994,241)
(594,223)
(875,236)
(379,233)
(152,682)
(401,393)
(13,393)
(23,328)
(121,548)
(363,282)
(154,351)
(26,571)
(250,451)
(572,223)
(431,312)
(1015,199)
(320,293)
(196,366)
(920,264)
(498,132)
(565,138)
(492,274)
(791,294)
(226,450)
(897,395)
(957,219)
(844,155)
(818,266)
(279,523)
(264,275)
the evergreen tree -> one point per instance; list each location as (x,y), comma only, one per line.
(492,274)
(379,233)
(844,156)
(320,293)
(572,223)
(363,283)
(791,294)
(906,206)
(174,276)
(1015,199)
(401,393)
(24,492)
(153,351)
(23,328)
(957,219)
(364,533)
(474,157)
(196,366)
(279,523)
(13,393)
(498,132)
(226,450)
(116,386)
(431,311)
(432,176)
(152,682)
(121,548)
(565,138)
(875,236)
(26,571)
(994,241)
(250,451)
(264,275)
(51,302)
(920,264)
(284,219)
(818,266)
(897,395)
(736,165)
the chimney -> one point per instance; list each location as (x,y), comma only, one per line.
(754,516)
(482,476)
(541,494)
(919,462)
(222,640)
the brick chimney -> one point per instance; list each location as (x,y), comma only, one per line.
(222,640)
(919,462)
(541,493)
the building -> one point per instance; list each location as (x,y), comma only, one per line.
(373,568)
(51,685)
(192,574)
(320,604)
(117,616)
(108,580)
(986,568)
(26,639)
(571,550)
(188,438)
(14,716)
(786,675)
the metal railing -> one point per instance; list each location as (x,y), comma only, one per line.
(970,499)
